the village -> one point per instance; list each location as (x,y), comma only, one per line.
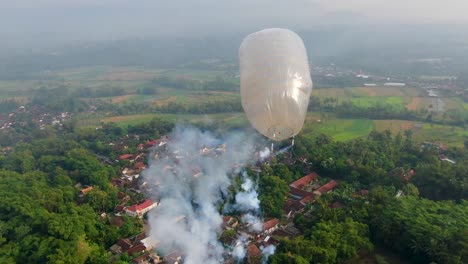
(142,248)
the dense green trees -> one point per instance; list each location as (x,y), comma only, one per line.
(41,220)
(326,242)
(391,216)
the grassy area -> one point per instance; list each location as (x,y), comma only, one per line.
(394,101)
(342,129)
(339,129)
(452,136)
(227,118)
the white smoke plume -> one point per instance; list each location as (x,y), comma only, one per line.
(187,218)
(247,199)
(264,154)
(267,252)
(254,223)
(240,248)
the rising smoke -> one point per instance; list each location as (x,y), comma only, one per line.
(188,219)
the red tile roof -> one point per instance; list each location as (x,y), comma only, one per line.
(125,156)
(139,165)
(253,250)
(304,181)
(87,190)
(124,244)
(151,143)
(327,187)
(136,249)
(142,259)
(299,193)
(270,223)
(138,207)
(307,199)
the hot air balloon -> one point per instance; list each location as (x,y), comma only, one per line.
(275,82)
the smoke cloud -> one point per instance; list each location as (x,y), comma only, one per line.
(240,250)
(248,198)
(264,154)
(267,252)
(190,178)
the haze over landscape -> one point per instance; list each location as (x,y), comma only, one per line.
(141,131)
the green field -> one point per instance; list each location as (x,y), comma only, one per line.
(235,119)
(368,101)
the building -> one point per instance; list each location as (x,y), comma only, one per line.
(328,187)
(392,84)
(139,210)
(86,190)
(304,181)
(126,157)
(270,226)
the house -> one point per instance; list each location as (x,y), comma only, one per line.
(253,251)
(121,246)
(136,249)
(118,182)
(301,189)
(307,199)
(147,258)
(126,157)
(291,207)
(139,210)
(229,222)
(151,143)
(143,259)
(268,240)
(139,166)
(270,226)
(303,182)
(329,186)
(149,242)
(86,190)
(173,258)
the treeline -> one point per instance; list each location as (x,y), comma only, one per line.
(348,109)
(103,91)
(218,84)
(7,105)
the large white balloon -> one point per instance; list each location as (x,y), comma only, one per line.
(275,82)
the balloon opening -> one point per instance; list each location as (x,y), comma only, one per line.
(279,133)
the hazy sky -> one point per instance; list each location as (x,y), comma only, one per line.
(82,20)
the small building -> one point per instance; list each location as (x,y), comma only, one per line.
(139,248)
(86,190)
(270,226)
(328,187)
(139,210)
(229,222)
(253,251)
(126,157)
(121,246)
(304,181)
(394,84)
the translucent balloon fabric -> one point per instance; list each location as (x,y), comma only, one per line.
(275,82)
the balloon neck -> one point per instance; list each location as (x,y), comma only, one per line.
(279,133)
